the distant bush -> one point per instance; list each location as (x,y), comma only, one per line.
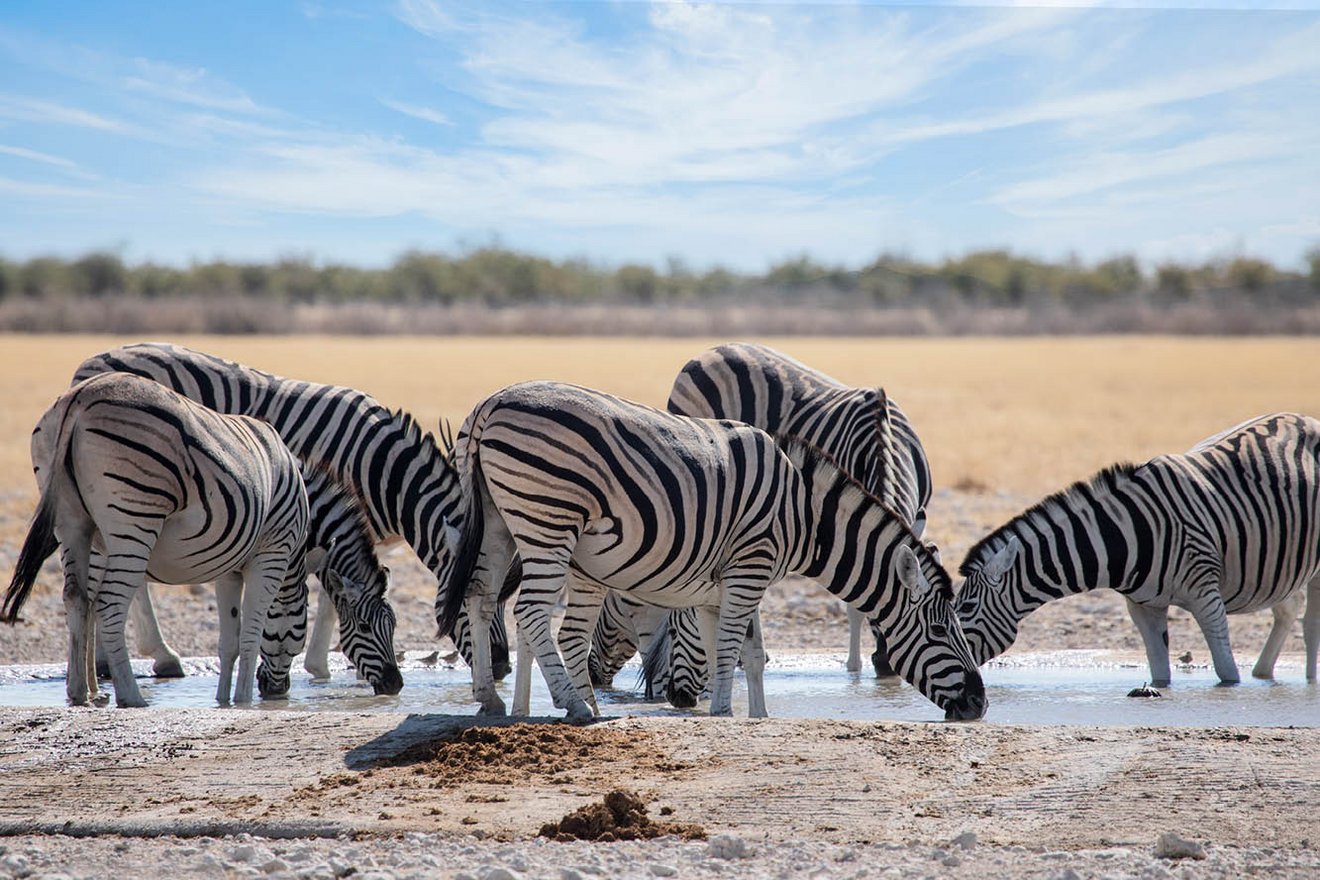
(982,291)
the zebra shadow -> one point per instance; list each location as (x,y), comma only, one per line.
(466,740)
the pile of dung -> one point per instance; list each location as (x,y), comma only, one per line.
(620,816)
(508,754)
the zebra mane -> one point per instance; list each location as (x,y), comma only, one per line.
(442,448)
(885,430)
(1102,482)
(324,483)
(806,457)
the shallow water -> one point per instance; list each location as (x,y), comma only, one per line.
(1073,687)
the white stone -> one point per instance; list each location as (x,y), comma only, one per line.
(244,852)
(1171,846)
(660,870)
(274,866)
(965,841)
(726,846)
(499,873)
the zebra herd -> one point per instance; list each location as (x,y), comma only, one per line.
(659,530)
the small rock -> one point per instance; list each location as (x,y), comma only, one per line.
(726,846)
(569,874)
(1171,846)
(498,873)
(1065,874)
(244,852)
(274,866)
(950,861)
(464,875)
(343,868)
(659,870)
(965,841)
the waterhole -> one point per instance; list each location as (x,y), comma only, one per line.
(1070,687)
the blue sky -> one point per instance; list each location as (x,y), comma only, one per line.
(734,134)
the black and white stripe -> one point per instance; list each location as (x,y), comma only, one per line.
(763,387)
(139,482)
(681,513)
(406,482)
(341,552)
(1229,527)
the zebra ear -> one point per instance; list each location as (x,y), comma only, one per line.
(909,571)
(1002,561)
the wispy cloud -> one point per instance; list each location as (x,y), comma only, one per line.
(18,107)
(66,165)
(426,114)
(185,85)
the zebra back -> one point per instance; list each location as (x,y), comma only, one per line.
(405,480)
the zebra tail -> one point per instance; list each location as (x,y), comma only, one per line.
(37,548)
(655,661)
(469,550)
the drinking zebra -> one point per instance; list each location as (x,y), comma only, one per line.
(406,482)
(139,482)
(763,387)
(679,512)
(1231,526)
(341,552)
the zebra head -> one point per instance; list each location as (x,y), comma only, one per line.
(688,670)
(366,627)
(925,642)
(985,598)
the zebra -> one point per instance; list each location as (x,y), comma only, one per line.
(138,481)
(625,625)
(1231,526)
(760,386)
(406,481)
(341,552)
(680,512)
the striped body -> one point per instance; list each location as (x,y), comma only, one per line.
(406,483)
(1231,526)
(680,513)
(139,482)
(760,386)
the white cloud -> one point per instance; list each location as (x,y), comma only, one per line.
(426,114)
(185,85)
(66,165)
(33,110)
(45,191)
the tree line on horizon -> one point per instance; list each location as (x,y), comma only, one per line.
(496,276)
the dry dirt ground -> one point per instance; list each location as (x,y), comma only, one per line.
(230,793)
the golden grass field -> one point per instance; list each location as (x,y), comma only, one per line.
(1021,414)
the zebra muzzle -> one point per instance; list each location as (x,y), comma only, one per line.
(389,683)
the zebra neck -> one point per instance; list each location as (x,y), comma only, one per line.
(854,544)
(404,480)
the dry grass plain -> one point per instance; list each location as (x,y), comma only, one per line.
(1003,420)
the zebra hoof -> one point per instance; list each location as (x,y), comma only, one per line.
(168,667)
(493,709)
(580,713)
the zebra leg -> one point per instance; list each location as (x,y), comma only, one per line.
(317,660)
(753,664)
(543,579)
(1311,626)
(522,677)
(81,625)
(1211,615)
(282,638)
(228,602)
(112,599)
(880,657)
(1153,624)
(263,579)
(731,633)
(1285,613)
(855,619)
(150,640)
(583,603)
